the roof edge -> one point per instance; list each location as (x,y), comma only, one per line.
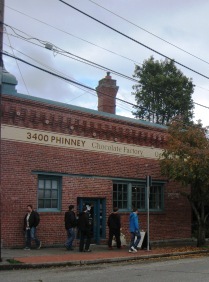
(86,110)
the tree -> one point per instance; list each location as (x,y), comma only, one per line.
(186,160)
(163,92)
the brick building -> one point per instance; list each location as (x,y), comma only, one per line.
(54,154)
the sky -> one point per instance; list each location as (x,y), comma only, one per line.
(177,29)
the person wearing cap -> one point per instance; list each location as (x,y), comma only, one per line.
(70,224)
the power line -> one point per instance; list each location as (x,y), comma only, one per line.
(64,51)
(202,87)
(70,34)
(67,79)
(181,49)
(201,105)
(110,51)
(89,62)
(17,63)
(85,91)
(41,63)
(80,84)
(52,68)
(61,51)
(134,40)
(195,103)
(77,83)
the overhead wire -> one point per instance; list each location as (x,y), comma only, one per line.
(62,52)
(17,63)
(70,34)
(201,87)
(197,86)
(119,103)
(105,49)
(147,31)
(73,82)
(132,39)
(41,63)
(77,83)
(69,80)
(43,42)
(129,77)
(70,58)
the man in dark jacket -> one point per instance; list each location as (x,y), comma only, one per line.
(114,225)
(31,221)
(70,224)
(85,231)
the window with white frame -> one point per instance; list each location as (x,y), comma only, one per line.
(49,191)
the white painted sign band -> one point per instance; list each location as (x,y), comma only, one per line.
(28,135)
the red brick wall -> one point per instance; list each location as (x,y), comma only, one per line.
(19,160)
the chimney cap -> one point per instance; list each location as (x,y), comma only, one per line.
(108,74)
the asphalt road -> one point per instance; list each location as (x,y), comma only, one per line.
(192,270)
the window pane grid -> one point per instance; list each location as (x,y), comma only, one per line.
(138,196)
(120,195)
(156,197)
(48,193)
(127,196)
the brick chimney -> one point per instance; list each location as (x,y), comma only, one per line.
(107,91)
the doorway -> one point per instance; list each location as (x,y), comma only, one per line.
(97,216)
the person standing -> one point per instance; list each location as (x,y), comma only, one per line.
(84,230)
(70,224)
(134,230)
(31,221)
(114,225)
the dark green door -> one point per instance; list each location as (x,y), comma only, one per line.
(97,216)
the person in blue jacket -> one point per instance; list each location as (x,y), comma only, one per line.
(134,230)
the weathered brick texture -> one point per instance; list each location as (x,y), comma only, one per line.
(20,160)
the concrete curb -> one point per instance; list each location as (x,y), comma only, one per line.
(97,261)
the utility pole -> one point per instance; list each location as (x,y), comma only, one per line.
(1,30)
(1,71)
(148,184)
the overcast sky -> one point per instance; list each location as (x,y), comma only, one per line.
(183,23)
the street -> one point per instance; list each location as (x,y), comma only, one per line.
(190,269)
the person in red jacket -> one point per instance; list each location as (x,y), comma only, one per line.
(31,221)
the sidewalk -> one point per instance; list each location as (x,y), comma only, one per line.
(47,257)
